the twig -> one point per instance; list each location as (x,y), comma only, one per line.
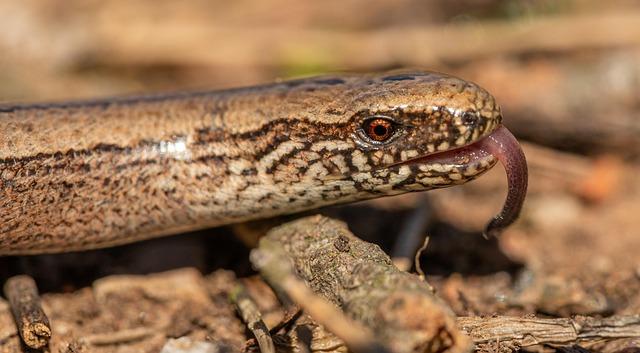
(119,337)
(308,336)
(305,337)
(274,265)
(513,333)
(291,314)
(524,332)
(409,237)
(252,317)
(398,307)
(33,324)
(416,260)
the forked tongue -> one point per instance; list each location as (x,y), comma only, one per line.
(504,146)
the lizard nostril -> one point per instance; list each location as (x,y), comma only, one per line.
(469,118)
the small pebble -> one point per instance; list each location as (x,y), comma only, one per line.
(187,345)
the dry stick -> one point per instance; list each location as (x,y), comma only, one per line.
(33,324)
(252,317)
(524,332)
(412,232)
(305,337)
(398,307)
(120,337)
(274,265)
(291,314)
(308,336)
(416,261)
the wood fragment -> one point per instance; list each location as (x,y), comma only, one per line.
(252,317)
(274,265)
(306,336)
(188,345)
(120,337)
(510,334)
(526,332)
(33,324)
(359,277)
(416,261)
(290,316)
(412,232)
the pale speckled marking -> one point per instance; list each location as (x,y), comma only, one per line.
(437,167)
(310,155)
(403,173)
(387,159)
(286,147)
(298,163)
(361,177)
(316,170)
(470,170)
(331,145)
(340,163)
(376,157)
(360,161)
(237,166)
(443,146)
(438,180)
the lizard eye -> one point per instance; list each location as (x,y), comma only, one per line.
(379,128)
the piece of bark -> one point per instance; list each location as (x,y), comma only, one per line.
(412,234)
(8,329)
(33,323)
(274,264)
(303,336)
(188,345)
(180,283)
(120,337)
(144,310)
(517,332)
(360,278)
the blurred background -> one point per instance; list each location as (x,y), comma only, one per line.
(566,73)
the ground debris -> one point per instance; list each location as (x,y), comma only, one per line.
(514,333)
(252,317)
(33,323)
(399,308)
(187,345)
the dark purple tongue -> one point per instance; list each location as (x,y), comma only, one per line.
(504,146)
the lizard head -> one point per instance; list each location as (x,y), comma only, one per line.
(418,131)
(418,125)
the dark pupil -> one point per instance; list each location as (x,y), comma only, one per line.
(380,130)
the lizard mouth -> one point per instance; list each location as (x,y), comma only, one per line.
(504,147)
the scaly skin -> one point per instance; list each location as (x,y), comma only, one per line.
(93,174)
